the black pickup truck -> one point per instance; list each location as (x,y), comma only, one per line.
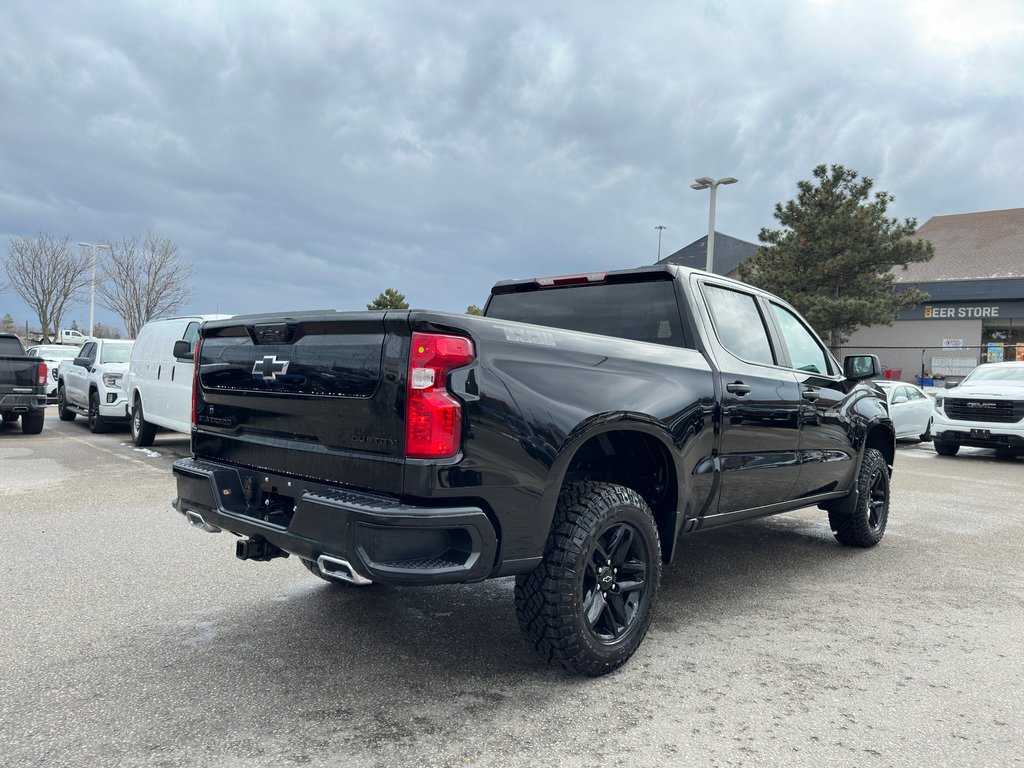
(568,437)
(22,385)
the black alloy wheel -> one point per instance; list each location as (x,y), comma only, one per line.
(861,518)
(97,423)
(63,412)
(615,583)
(878,499)
(588,605)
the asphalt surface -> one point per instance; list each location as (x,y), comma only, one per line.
(129,638)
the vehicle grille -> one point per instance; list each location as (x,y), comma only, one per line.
(995,411)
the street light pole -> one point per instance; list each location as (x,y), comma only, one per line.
(659,228)
(92,283)
(706,182)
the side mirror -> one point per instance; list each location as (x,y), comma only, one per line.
(857,367)
(900,399)
(182,350)
(83,362)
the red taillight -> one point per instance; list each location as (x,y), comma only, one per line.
(43,371)
(433,418)
(195,384)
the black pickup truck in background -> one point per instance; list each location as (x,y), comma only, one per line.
(23,384)
(569,438)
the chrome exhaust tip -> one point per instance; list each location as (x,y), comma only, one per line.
(336,568)
(196,521)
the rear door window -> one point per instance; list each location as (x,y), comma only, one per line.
(739,324)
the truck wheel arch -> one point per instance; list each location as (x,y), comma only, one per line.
(633,453)
(882,437)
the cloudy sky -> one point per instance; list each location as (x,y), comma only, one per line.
(310,154)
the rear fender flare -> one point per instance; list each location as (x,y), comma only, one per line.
(600,424)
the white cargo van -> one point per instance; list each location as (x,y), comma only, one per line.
(160,384)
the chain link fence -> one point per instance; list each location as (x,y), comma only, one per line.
(935,366)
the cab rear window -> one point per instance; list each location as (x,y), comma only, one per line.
(641,311)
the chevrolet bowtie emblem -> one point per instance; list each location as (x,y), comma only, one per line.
(269,368)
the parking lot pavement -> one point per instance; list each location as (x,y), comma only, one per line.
(129,638)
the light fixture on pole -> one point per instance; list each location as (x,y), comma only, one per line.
(659,228)
(92,284)
(706,182)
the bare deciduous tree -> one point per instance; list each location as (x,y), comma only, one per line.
(101,331)
(144,278)
(47,275)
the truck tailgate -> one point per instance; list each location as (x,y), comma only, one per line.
(19,372)
(319,396)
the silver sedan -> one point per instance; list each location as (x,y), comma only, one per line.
(910,409)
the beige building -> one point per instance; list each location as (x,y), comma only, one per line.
(975,311)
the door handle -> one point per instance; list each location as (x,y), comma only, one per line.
(738,388)
(810,394)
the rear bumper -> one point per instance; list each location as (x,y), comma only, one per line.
(21,403)
(383,539)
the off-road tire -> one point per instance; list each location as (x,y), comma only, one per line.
(32,422)
(10,418)
(861,522)
(63,412)
(946,449)
(312,567)
(97,424)
(143,433)
(576,609)
(927,436)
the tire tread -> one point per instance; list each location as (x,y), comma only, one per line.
(544,597)
(851,527)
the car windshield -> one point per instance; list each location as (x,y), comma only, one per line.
(1009,373)
(116,353)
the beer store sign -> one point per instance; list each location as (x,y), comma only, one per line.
(964,311)
(930,311)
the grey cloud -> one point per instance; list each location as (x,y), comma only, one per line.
(312,154)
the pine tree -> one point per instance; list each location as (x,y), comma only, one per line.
(833,257)
(473,309)
(389,298)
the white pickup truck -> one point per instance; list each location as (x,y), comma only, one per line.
(63,336)
(93,384)
(986,410)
